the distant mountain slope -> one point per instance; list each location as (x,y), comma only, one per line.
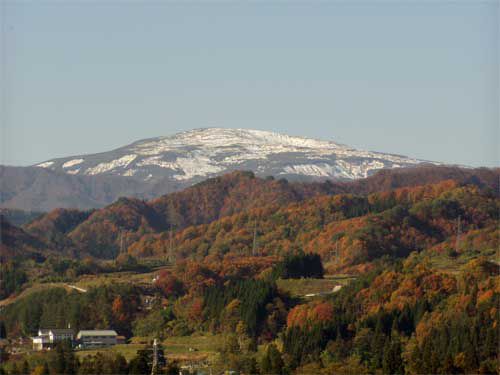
(15,242)
(385,180)
(19,217)
(40,189)
(197,154)
(104,231)
(345,230)
(53,226)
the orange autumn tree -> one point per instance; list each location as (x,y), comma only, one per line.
(310,314)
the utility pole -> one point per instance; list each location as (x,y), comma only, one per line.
(254,245)
(121,241)
(154,367)
(335,253)
(170,246)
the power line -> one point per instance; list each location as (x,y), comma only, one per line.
(121,241)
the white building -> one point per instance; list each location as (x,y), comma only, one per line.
(96,338)
(48,337)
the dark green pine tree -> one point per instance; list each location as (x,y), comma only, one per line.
(272,363)
(471,307)
(471,362)
(3,331)
(416,361)
(45,370)
(435,363)
(491,342)
(377,346)
(139,364)
(405,320)
(265,364)
(392,363)
(26,367)
(448,366)
(172,369)
(71,362)
(120,364)
(14,370)
(60,362)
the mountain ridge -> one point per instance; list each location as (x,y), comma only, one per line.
(99,232)
(193,155)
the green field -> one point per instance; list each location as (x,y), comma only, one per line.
(181,348)
(445,263)
(202,343)
(127,350)
(302,287)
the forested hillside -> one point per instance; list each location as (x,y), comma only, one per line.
(414,272)
(103,232)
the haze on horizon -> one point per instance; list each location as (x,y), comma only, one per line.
(413,79)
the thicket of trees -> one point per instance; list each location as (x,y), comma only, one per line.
(239,300)
(12,278)
(447,329)
(103,307)
(295,266)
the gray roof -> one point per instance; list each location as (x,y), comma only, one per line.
(98,332)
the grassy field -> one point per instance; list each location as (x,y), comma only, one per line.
(182,348)
(445,263)
(201,343)
(88,281)
(35,287)
(301,287)
(127,350)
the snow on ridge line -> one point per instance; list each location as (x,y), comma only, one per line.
(340,168)
(211,138)
(194,164)
(209,151)
(124,161)
(319,170)
(45,165)
(72,163)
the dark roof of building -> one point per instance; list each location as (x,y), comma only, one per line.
(56,331)
(61,331)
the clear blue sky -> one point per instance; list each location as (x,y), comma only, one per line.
(414,78)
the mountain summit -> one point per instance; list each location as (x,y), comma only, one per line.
(194,155)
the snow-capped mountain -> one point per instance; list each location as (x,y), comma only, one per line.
(194,155)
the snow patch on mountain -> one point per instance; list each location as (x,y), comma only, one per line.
(72,163)
(196,165)
(192,155)
(319,170)
(105,167)
(47,164)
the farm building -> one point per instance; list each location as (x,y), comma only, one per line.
(48,337)
(96,338)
